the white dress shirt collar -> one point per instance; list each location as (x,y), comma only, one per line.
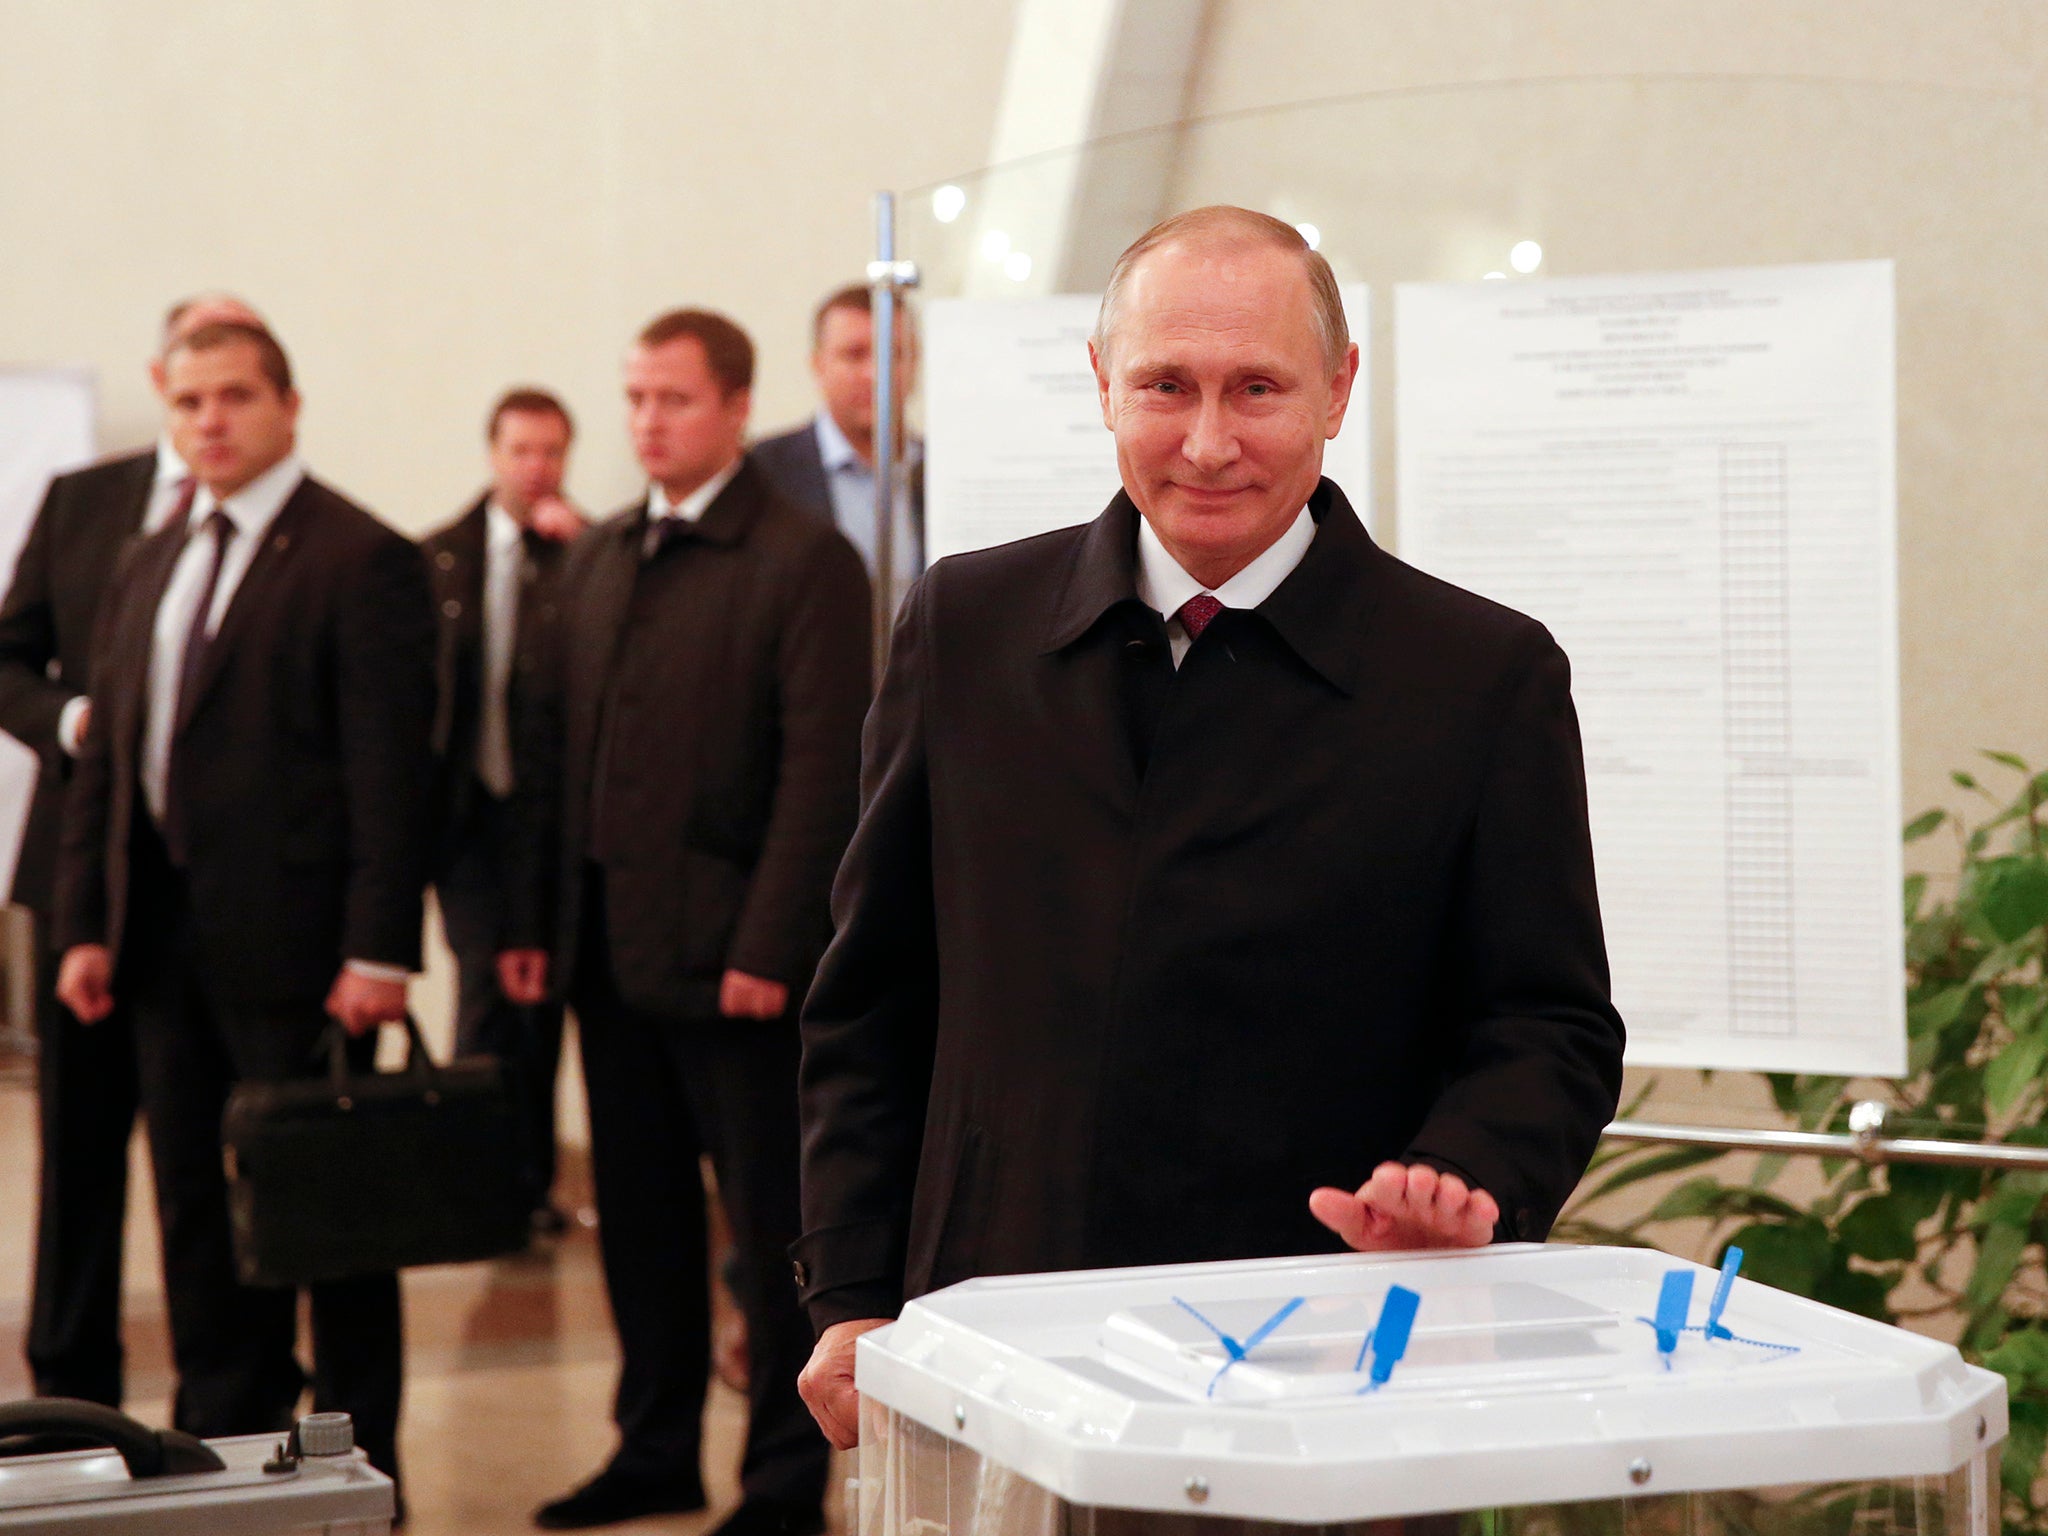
(170,465)
(255,506)
(692,506)
(1163,586)
(501,528)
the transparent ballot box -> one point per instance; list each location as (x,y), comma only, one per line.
(1546,1390)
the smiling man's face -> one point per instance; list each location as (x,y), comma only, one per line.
(1217,388)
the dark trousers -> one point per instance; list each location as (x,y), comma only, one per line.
(232,1344)
(526,1041)
(663,1091)
(85,1100)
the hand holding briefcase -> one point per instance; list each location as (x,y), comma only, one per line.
(362,1173)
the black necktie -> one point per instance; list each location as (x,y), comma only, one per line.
(222,528)
(668,532)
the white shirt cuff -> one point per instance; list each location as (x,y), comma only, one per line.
(374,971)
(71,725)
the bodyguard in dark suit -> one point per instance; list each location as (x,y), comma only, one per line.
(244,852)
(689,789)
(826,466)
(494,571)
(85,1078)
(1223,886)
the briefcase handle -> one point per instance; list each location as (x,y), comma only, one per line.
(148,1452)
(419,1061)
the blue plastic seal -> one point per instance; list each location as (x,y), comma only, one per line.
(1674,1303)
(1388,1341)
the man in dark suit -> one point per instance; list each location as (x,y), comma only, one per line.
(85,1078)
(827,465)
(244,853)
(688,789)
(1223,886)
(494,571)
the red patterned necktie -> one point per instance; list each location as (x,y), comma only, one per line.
(181,508)
(1197,612)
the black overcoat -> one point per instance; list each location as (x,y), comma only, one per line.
(744,814)
(1129,960)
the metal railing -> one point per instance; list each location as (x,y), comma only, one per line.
(1865,1140)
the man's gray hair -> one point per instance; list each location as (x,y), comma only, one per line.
(1222,224)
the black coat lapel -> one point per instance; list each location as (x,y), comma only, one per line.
(281,541)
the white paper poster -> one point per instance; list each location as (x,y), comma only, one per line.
(1690,478)
(46,426)
(1014,440)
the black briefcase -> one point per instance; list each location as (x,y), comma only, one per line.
(360,1173)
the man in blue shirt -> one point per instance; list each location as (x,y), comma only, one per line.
(827,465)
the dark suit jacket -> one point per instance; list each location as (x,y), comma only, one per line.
(456,561)
(46,630)
(759,791)
(1128,960)
(792,461)
(303,762)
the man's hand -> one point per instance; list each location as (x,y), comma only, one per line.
(85,982)
(360,1003)
(741,996)
(523,976)
(826,1384)
(1403,1207)
(553,518)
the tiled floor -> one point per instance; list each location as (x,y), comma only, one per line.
(510,1365)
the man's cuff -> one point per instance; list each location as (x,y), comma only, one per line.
(373,970)
(851,1304)
(71,724)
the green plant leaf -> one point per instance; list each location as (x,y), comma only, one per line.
(1879,1229)
(1923,824)
(1961,779)
(2021,1358)
(2026,1439)
(1856,1290)
(1935,1013)
(1998,1255)
(2014,1070)
(2012,893)
(1768,1167)
(1791,1255)
(1668,1160)
(2007,758)
(1919,1188)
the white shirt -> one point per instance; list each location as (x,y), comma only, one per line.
(252,509)
(690,508)
(166,487)
(1164,587)
(504,564)
(164,490)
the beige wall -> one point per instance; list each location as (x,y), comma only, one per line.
(1797,131)
(431,201)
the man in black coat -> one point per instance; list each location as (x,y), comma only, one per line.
(827,465)
(688,789)
(244,854)
(494,571)
(1223,886)
(85,1078)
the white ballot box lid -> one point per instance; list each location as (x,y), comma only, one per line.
(1532,1375)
